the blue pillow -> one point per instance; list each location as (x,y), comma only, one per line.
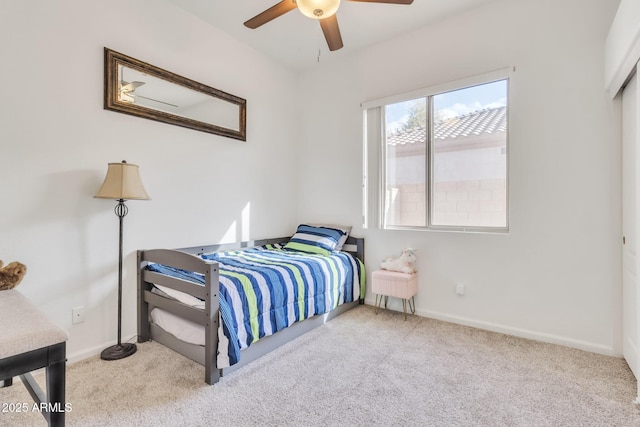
(315,240)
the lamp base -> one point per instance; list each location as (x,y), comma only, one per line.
(118,351)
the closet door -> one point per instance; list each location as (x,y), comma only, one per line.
(630,199)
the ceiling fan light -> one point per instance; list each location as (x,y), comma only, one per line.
(318,9)
(126,98)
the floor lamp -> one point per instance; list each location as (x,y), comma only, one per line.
(121,183)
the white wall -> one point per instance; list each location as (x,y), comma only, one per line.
(556,275)
(57,139)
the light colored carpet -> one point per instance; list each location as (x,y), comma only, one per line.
(360,369)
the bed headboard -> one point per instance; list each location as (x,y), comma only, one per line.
(353,245)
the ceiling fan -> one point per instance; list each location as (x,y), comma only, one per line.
(126,93)
(322,10)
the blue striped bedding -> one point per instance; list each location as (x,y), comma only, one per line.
(267,288)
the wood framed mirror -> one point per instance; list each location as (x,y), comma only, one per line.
(143,90)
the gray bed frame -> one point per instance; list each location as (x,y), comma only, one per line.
(188,259)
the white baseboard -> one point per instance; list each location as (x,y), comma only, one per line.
(517,332)
(94,351)
(474,323)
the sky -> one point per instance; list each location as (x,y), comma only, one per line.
(468,100)
(454,103)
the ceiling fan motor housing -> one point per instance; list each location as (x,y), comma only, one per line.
(318,9)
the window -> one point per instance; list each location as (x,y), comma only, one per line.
(440,156)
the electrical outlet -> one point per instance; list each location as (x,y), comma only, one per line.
(459,289)
(77,315)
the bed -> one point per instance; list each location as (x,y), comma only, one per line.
(217,300)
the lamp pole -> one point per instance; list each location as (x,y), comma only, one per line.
(121,183)
(119,350)
(121,211)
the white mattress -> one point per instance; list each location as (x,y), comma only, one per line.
(190,332)
(180,296)
(183,329)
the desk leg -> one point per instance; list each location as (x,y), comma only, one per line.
(56,379)
(56,385)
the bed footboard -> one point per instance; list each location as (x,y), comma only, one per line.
(209,293)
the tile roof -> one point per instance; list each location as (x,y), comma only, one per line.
(489,120)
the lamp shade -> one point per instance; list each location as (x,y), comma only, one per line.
(318,9)
(122,183)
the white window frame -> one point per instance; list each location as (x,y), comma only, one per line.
(374,153)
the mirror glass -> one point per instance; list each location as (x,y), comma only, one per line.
(137,88)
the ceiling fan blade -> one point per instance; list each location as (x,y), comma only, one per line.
(135,95)
(385,1)
(130,87)
(272,13)
(331,32)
